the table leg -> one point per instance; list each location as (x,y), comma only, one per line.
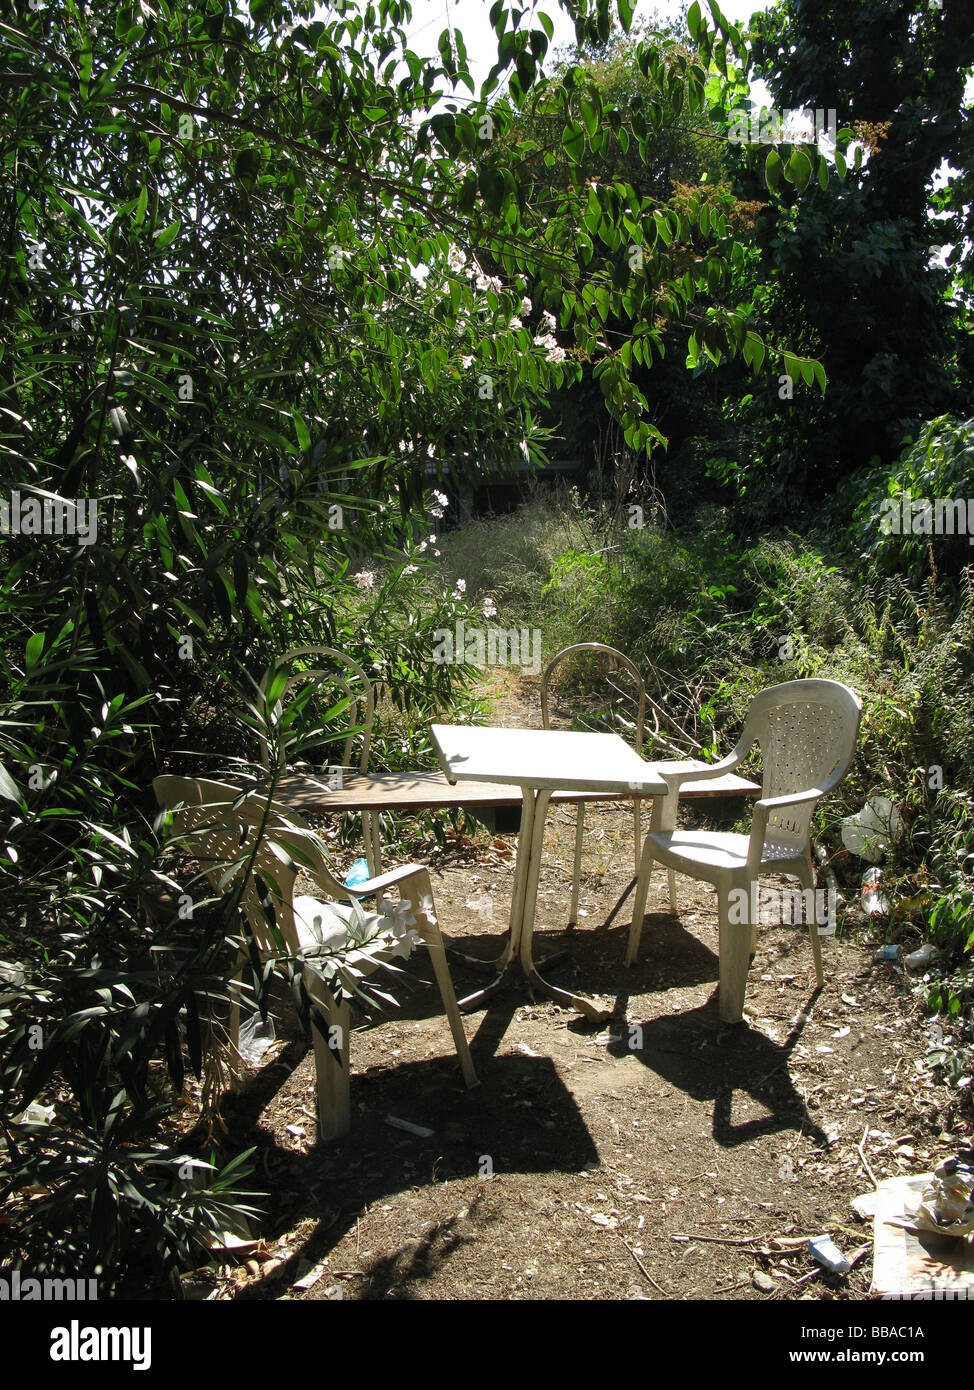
(532,873)
(505,960)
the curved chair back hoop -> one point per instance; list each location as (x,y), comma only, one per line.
(807,731)
(614,655)
(358,689)
(221,824)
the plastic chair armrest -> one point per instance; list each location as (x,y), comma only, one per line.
(759,824)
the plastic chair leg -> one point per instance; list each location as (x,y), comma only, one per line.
(331,1066)
(808,882)
(415,887)
(437,952)
(639,901)
(735,941)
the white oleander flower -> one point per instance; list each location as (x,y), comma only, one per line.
(486,282)
(549,342)
(365,579)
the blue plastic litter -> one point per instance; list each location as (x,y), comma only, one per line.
(358,873)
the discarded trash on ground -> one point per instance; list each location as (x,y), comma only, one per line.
(912,1263)
(947,1204)
(826,1253)
(871,831)
(35,1115)
(874,903)
(919,960)
(256,1036)
(358,873)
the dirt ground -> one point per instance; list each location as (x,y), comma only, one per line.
(665,1156)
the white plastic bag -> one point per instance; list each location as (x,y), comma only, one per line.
(871,831)
(256,1037)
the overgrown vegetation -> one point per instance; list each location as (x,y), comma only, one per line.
(270,282)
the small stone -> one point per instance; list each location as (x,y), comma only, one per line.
(762,1281)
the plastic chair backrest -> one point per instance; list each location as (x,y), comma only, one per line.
(356,686)
(614,655)
(221,824)
(807,731)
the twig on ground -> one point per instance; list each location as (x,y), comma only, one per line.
(642,1266)
(865,1161)
(726,1240)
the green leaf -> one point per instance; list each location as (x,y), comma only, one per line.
(35,646)
(168,235)
(444,127)
(664,227)
(626,8)
(800,169)
(492,188)
(8,787)
(773,169)
(301,429)
(754,352)
(573,140)
(694,21)
(590,118)
(526,68)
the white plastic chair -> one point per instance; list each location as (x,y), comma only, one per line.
(621,659)
(334,940)
(361,715)
(807,733)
